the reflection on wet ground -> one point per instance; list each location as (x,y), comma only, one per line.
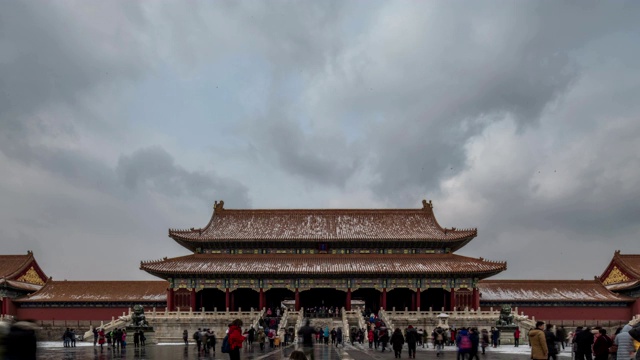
(320,352)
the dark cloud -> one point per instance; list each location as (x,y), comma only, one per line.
(519,119)
(154,170)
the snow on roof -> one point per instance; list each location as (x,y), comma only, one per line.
(547,291)
(100,291)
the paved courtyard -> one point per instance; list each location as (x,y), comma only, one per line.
(54,351)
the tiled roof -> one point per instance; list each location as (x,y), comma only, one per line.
(623,286)
(12,265)
(630,263)
(547,291)
(323,224)
(20,285)
(322,264)
(100,291)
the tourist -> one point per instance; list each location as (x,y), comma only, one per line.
(95,336)
(142,338)
(333,336)
(123,338)
(438,340)
(185,337)
(66,340)
(463,341)
(420,338)
(561,336)
(297,355)
(21,341)
(235,339)
(516,337)
(271,335)
(196,337)
(601,345)
(251,335)
(211,341)
(396,342)
(72,337)
(370,338)
(338,337)
(624,341)
(485,340)
(101,337)
(475,342)
(584,341)
(307,333)
(538,342)
(550,338)
(376,338)
(411,338)
(136,339)
(326,334)
(384,338)
(262,338)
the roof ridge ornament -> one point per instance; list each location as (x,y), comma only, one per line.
(427,205)
(218,206)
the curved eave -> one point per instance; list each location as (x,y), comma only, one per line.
(453,244)
(167,275)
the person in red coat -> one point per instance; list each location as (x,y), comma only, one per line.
(235,339)
(516,337)
(101,337)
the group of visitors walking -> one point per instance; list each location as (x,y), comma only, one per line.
(587,343)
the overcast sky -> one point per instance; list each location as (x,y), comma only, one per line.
(119,120)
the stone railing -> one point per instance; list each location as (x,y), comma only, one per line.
(299,324)
(346,333)
(385,317)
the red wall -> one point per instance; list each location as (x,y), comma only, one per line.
(577,313)
(636,307)
(49,314)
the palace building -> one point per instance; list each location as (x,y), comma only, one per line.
(388,258)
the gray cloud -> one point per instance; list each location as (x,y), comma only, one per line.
(519,119)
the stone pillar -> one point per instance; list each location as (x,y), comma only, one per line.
(347,306)
(418,299)
(193,299)
(383,302)
(297,300)
(452,299)
(170,299)
(476,299)
(227,303)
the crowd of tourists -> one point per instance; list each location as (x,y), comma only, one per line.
(587,343)
(117,338)
(322,312)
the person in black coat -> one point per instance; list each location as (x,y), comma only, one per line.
(584,340)
(412,340)
(397,340)
(550,336)
(474,336)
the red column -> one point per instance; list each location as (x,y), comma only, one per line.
(193,299)
(384,298)
(170,299)
(260,304)
(297,304)
(418,299)
(233,305)
(476,299)
(4,303)
(347,306)
(227,303)
(452,299)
